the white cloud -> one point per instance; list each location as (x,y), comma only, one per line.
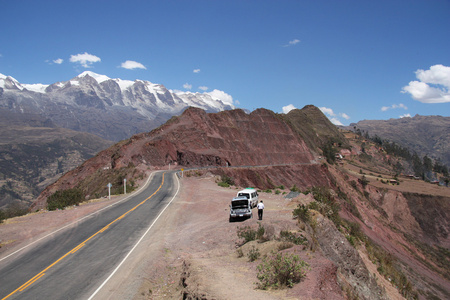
(203,88)
(405,116)
(221,95)
(336,121)
(333,117)
(131,65)
(196,71)
(292,43)
(85,59)
(58,61)
(187,86)
(394,106)
(345,116)
(327,111)
(288,108)
(433,87)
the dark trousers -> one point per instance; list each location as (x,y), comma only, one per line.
(260,213)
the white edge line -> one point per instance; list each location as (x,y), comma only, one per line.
(78,220)
(137,243)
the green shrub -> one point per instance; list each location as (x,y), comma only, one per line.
(260,231)
(329,152)
(226,181)
(301,212)
(295,189)
(253,254)
(239,252)
(294,238)
(330,207)
(223,184)
(264,234)
(62,199)
(278,270)
(364,181)
(247,233)
(352,240)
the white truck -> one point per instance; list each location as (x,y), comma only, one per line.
(251,194)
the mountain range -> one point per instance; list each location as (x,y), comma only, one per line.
(425,135)
(113,109)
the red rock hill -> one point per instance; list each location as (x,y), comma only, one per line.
(229,138)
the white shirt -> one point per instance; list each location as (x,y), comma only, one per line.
(260,205)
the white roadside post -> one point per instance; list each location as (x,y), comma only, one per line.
(125,186)
(109,190)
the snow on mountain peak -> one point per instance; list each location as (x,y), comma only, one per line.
(9,82)
(123,84)
(98,77)
(37,87)
(139,94)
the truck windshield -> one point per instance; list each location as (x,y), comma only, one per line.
(239,204)
(244,194)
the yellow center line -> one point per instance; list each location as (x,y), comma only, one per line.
(79,246)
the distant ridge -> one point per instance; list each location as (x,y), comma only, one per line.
(34,153)
(426,135)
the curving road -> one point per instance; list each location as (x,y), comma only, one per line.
(73,263)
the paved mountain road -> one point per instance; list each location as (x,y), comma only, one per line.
(73,263)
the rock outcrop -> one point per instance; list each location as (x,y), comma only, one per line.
(199,139)
(336,248)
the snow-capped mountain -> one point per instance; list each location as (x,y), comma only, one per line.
(111,108)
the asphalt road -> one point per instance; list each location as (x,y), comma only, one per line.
(74,263)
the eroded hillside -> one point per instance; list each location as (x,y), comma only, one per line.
(393,228)
(197,139)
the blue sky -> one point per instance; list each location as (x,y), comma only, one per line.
(354,59)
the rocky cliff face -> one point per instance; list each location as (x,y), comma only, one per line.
(229,138)
(199,139)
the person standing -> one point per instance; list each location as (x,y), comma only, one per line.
(260,207)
